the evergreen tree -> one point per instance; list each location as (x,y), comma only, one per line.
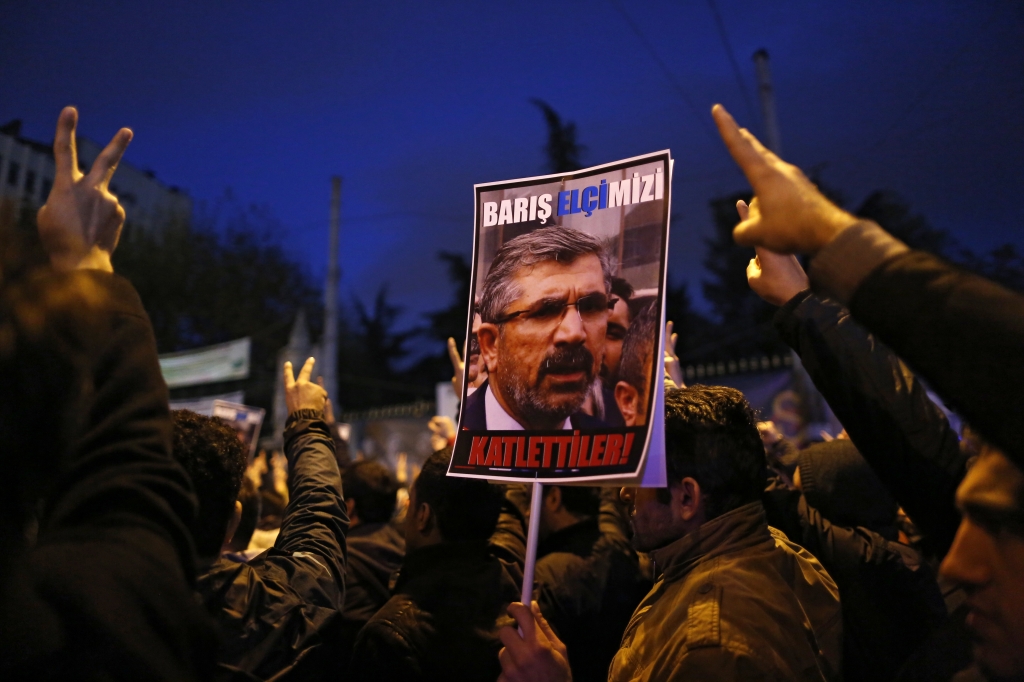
(219,278)
(562,150)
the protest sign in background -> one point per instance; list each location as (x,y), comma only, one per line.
(244,419)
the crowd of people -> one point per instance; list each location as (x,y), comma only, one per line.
(140,543)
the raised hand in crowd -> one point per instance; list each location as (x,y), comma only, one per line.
(673,369)
(442,432)
(81,221)
(775,277)
(328,405)
(458,366)
(536,655)
(301,393)
(254,472)
(769,432)
(788,213)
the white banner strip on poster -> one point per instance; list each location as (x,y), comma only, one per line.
(223,362)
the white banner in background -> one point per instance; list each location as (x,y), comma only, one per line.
(223,362)
(204,405)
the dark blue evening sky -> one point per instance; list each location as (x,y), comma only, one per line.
(414,102)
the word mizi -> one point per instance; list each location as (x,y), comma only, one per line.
(635,190)
(541,452)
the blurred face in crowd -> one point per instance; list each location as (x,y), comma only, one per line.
(545,353)
(658,516)
(618,324)
(414,522)
(987,558)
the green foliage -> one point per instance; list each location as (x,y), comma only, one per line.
(562,150)
(890,211)
(217,279)
(742,325)
(1003,264)
(450,322)
(369,348)
(694,330)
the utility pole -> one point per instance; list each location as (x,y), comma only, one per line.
(329,347)
(767,96)
(814,409)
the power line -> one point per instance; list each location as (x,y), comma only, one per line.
(701,115)
(732,59)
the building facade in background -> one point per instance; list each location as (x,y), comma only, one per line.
(27,170)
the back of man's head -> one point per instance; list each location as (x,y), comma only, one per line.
(711,436)
(373,488)
(215,459)
(580,501)
(465,509)
(249,496)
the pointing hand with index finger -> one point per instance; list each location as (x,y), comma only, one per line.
(81,221)
(788,214)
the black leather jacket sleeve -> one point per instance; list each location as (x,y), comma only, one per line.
(105,592)
(963,333)
(884,408)
(315,520)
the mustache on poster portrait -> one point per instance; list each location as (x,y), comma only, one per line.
(567,360)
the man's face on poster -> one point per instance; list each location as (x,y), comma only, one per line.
(632,400)
(545,354)
(618,325)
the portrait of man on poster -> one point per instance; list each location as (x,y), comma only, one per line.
(544,308)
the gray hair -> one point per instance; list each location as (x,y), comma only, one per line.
(562,244)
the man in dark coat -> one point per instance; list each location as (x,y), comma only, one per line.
(964,335)
(465,549)
(96,557)
(588,579)
(376,547)
(280,612)
(736,599)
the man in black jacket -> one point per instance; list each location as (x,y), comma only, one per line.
(891,602)
(376,546)
(279,613)
(884,408)
(101,588)
(588,580)
(464,566)
(962,333)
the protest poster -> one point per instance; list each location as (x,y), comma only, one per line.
(244,419)
(564,356)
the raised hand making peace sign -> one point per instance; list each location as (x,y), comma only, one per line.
(301,393)
(81,221)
